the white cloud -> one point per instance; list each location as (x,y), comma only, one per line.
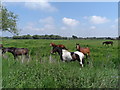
(114,26)
(47,20)
(31,27)
(85,17)
(48,27)
(48,23)
(42,26)
(98,19)
(92,27)
(116,20)
(44,6)
(70,22)
(63,28)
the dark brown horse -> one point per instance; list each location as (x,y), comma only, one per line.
(108,42)
(16,51)
(60,45)
(85,51)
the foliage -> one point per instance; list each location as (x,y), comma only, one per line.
(47,71)
(9,21)
(39,37)
(74,37)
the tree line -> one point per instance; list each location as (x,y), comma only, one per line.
(56,37)
(39,37)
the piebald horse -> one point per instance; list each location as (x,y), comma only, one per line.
(69,56)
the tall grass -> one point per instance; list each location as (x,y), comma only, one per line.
(47,71)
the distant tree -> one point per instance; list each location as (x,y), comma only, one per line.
(36,36)
(74,37)
(27,36)
(109,38)
(8,22)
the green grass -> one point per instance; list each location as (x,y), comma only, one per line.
(47,71)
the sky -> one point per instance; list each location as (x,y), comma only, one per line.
(82,19)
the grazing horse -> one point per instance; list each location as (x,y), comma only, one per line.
(16,51)
(69,56)
(1,46)
(60,45)
(108,42)
(85,51)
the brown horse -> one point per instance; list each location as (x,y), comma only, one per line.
(1,46)
(60,45)
(85,51)
(108,42)
(16,51)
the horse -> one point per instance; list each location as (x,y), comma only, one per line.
(60,45)
(69,56)
(85,51)
(16,51)
(107,43)
(1,46)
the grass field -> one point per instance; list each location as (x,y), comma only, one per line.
(47,71)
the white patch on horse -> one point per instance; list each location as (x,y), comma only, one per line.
(66,55)
(81,56)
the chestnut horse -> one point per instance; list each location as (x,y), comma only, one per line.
(60,45)
(16,51)
(85,51)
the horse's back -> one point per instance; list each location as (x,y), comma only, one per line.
(108,42)
(66,55)
(79,53)
(85,50)
(21,50)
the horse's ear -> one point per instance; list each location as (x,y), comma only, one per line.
(77,44)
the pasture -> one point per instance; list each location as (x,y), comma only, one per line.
(45,70)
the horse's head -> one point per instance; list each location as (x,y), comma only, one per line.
(56,49)
(4,50)
(1,46)
(77,46)
(52,44)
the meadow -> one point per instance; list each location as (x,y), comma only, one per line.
(45,70)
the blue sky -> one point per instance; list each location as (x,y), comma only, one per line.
(83,19)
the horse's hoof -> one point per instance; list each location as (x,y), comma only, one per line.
(87,62)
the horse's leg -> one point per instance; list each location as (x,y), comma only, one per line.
(86,56)
(89,54)
(15,56)
(61,58)
(27,55)
(81,62)
(111,44)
